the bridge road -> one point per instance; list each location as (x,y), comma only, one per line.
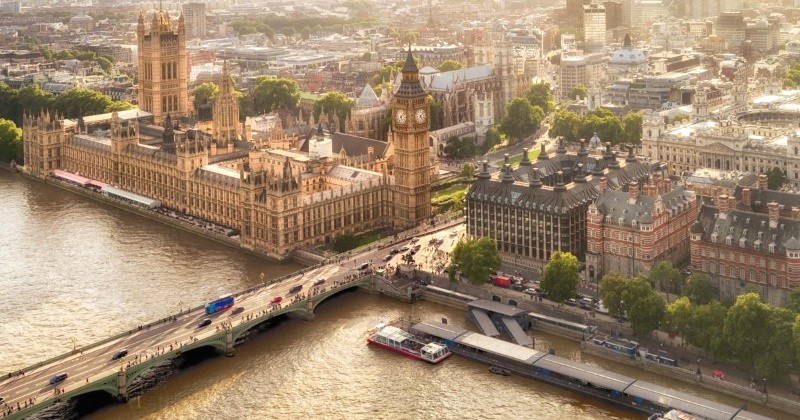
(95,363)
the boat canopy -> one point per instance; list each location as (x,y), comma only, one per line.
(391,333)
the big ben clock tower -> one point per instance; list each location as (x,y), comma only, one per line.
(412,163)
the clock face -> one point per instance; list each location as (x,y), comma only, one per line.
(400,116)
(421,115)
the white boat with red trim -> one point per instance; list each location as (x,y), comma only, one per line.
(407,344)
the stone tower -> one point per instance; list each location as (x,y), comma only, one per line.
(227,128)
(44,136)
(163,71)
(412,163)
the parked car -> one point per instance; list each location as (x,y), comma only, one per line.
(237,310)
(276,299)
(531,291)
(204,322)
(518,287)
(571,302)
(600,308)
(586,303)
(120,354)
(60,377)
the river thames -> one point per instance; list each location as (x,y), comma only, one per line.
(74,271)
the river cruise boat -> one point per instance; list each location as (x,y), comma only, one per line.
(407,344)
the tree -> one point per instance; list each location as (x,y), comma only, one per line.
(205,94)
(31,99)
(10,141)
(794,301)
(522,119)
(492,139)
(468,170)
(385,73)
(578,91)
(539,94)
(632,128)
(699,289)
(775,178)
(117,106)
(778,352)
(450,65)
(460,147)
(679,316)
(744,330)
(79,102)
(646,312)
(305,33)
(666,277)
(560,277)
(477,258)
(679,118)
(566,124)
(437,115)
(333,104)
(345,242)
(706,328)
(271,94)
(610,290)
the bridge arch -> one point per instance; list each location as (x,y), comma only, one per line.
(240,330)
(364,282)
(217,342)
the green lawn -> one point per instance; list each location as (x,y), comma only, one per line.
(516,159)
(449,198)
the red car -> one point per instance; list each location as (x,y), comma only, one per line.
(277,299)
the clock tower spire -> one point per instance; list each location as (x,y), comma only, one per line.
(412,162)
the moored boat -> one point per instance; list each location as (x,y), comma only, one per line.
(499,371)
(407,344)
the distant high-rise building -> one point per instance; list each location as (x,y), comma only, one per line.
(731,27)
(195,15)
(575,12)
(594,27)
(163,74)
(613,14)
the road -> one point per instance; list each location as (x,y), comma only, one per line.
(94,363)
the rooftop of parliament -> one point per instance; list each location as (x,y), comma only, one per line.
(278,199)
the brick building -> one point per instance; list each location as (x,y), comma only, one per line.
(750,245)
(629,231)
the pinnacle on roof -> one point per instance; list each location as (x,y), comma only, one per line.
(536,180)
(525,161)
(627,41)
(484,174)
(410,66)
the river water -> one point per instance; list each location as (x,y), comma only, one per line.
(73,271)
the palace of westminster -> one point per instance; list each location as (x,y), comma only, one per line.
(279,200)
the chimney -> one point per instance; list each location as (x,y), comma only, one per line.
(633,192)
(774,212)
(667,185)
(651,189)
(731,202)
(762,182)
(746,197)
(603,184)
(723,204)
(795,213)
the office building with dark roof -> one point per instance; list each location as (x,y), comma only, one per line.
(541,207)
(750,242)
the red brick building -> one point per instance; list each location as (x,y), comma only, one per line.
(750,244)
(629,231)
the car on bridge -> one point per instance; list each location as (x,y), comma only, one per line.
(204,322)
(276,300)
(120,354)
(60,377)
(388,257)
(394,251)
(237,310)
(319,282)
(363,266)
(296,288)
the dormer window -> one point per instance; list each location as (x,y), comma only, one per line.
(742,242)
(728,240)
(714,237)
(772,248)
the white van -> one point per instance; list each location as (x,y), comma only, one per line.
(600,308)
